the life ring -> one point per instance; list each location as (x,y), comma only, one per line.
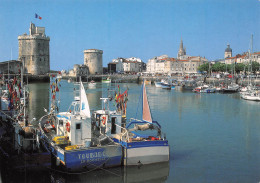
(68,126)
(104,120)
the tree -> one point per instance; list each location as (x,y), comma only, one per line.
(204,67)
(255,66)
(239,67)
(219,67)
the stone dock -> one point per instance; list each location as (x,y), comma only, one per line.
(138,79)
(123,78)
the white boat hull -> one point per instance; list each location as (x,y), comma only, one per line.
(147,155)
(158,85)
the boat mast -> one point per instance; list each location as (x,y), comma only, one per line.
(250,51)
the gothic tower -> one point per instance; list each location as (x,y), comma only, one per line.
(34,51)
(181,51)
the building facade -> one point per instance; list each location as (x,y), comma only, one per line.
(78,70)
(93,59)
(174,66)
(34,51)
(127,65)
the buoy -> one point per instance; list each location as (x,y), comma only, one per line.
(68,126)
(104,120)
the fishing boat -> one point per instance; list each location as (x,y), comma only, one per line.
(4,100)
(232,88)
(165,86)
(107,80)
(189,84)
(71,141)
(25,134)
(110,121)
(142,140)
(204,89)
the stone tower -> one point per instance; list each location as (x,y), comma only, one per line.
(181,51)
(228,52)
(93,59)
(34,51)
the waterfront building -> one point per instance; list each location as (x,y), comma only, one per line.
(243,58)
(14,67)
(118,64)
(185,66)
(182,64)
(93,59)
(168,65)
(127,65)
(34,51)
(151,66)
(78,70)
(256,57)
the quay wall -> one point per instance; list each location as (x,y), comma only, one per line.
(118,78)
(240,81)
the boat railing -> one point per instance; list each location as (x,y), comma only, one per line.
(125,133)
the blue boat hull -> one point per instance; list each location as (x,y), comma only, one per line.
(93,158)
(86,158)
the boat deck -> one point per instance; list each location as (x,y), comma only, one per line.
(97,139)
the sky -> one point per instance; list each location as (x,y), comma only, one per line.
(131,28)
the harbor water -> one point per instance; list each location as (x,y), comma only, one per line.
(213,137)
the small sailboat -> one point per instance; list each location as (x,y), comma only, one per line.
(142,140)
(251,95)
(71,141)
(69,80)
(92,84)
(107,80)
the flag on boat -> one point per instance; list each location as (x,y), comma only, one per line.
(37,16)
(84,106)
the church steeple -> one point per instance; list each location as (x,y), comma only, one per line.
(181,51)
(181,45)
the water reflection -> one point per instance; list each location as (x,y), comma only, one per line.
(38,99)
(147,173)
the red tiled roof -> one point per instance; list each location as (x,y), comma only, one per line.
(256,53)
(168,59)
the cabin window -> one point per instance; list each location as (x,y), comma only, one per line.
(78,126)
(61,122)
(113,127)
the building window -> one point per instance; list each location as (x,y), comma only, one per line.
(78,126)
